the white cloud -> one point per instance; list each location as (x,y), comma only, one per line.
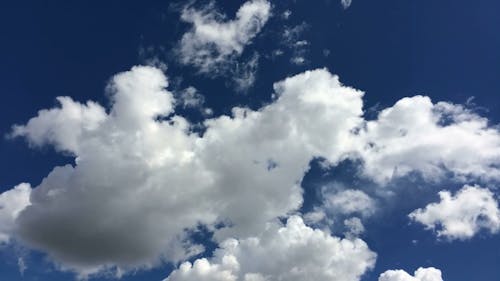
(349,201)
(293,252)
(462,215)
(354,227)
(129,197)
(213,40)
(291,39)
(12,202)
(346,3)
(421,274)
(416,135)
(244,74)
(190,97)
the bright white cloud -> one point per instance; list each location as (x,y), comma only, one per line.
(213,40)
(293,252)
(421,274)
(462,215)
(129,197)
(12,202)
(416,135)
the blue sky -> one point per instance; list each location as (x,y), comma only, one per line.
(143,190)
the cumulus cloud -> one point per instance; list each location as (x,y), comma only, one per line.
(12,202)
(416,135)
(128,199)
(462,215)
(292,252)
(421,274)
(213,40)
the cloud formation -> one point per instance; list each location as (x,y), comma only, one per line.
(415,135)
(421,274)
(462,215)
(292,252)
(128,200)
(349,201)
(213,40)
(12,202)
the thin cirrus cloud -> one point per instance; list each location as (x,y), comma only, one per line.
(462,215)
(129,199)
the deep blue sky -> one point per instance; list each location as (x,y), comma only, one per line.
(448,50)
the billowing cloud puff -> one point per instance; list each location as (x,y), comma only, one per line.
(416,135)
(141,178)
(462,215)
(213,40)
(293,252)
(421,274)
(12,202)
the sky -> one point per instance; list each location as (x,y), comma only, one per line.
(250,140)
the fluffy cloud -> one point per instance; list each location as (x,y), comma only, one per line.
(293,252)
(416,135)
(12,202)
(421,274)
(463,215)
(349,201)
(213,40)
(142,179)
(128,199)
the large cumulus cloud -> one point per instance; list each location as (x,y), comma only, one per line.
(142,179)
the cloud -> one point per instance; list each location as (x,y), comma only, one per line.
(349,201)
(421,274)
(293,252)
(462,215)
(346,3)
(213,40)
(143,180)
(127,201)
(354,227)
(190,98)
(291,40)
(433,139)
(12,202)
(21,265)
(244,74)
